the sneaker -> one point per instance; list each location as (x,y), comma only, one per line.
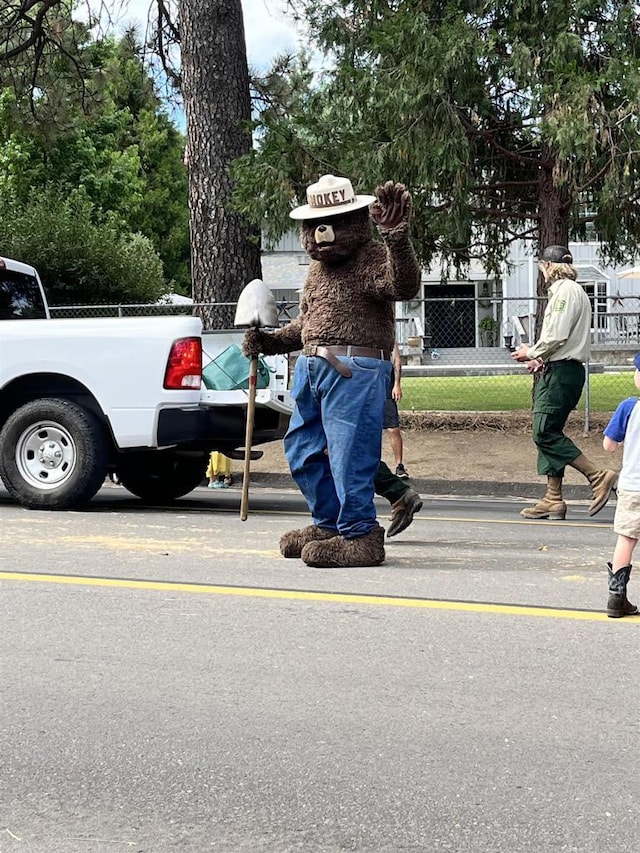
(401,471)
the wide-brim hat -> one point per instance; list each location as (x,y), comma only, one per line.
(329,197)
(557,255)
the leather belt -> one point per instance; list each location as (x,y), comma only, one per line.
(329,353)
(549,365)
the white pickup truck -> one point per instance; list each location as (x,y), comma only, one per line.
(82,398)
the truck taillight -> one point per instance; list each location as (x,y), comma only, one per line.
(184,365)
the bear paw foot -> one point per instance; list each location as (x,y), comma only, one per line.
(337,552)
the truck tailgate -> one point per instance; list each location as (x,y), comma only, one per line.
(280,401)
(276,396)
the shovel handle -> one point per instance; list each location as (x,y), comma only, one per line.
(251,409)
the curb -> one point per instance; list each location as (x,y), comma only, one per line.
(462,488)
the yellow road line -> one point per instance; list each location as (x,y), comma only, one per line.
(422,516)
(311,595)
(538,522)
(121,543)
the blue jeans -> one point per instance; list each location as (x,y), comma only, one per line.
(344,418)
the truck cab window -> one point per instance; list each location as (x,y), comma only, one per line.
(20,297)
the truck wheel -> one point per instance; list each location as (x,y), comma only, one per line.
(158,478)
(53,454)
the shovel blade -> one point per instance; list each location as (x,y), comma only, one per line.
(256,306)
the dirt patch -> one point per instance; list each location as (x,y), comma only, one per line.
(514,423)
(489,446)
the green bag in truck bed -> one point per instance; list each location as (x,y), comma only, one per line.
(229,371)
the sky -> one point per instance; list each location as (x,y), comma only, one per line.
(268,30)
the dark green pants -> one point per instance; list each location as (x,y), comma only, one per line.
(557,394)
(388,485)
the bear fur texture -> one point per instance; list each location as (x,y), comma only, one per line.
(333,443)
(352,283)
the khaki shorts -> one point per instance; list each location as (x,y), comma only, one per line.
(626,521)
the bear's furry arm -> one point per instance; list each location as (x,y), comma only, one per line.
(400,274)
(287,339)
(400,271)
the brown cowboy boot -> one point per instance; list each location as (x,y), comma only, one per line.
(292,543)
(618,604)
(551,506)
(601,480)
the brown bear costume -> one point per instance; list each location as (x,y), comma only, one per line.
(346,331)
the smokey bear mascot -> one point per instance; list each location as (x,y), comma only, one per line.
(345,331)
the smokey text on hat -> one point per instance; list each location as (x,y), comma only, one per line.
(329,199)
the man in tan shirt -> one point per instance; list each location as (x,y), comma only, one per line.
(559,354)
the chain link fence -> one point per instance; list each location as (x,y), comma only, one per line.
(456,352)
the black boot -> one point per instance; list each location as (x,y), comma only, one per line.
(618,604)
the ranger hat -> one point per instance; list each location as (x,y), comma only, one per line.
(557,255)
(329,197)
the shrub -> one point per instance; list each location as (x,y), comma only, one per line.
(80,261)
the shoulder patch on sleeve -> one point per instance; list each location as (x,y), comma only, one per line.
(560,305)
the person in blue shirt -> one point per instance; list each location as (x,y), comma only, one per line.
(624,427)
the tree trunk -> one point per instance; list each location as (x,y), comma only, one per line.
(215,88)
(554,221)
(553,229)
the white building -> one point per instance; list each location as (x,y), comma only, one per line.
(480,311)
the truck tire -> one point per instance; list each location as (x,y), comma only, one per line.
(53,454)
(161,477)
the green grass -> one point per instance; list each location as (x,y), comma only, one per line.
(503,393)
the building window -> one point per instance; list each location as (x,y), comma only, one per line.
(597,293)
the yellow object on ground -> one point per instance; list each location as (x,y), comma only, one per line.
(219,465)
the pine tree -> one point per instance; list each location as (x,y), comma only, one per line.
(225,251)
(507,120)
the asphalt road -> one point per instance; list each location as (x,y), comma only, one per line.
(170,683)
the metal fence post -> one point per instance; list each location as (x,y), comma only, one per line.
(587,403)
